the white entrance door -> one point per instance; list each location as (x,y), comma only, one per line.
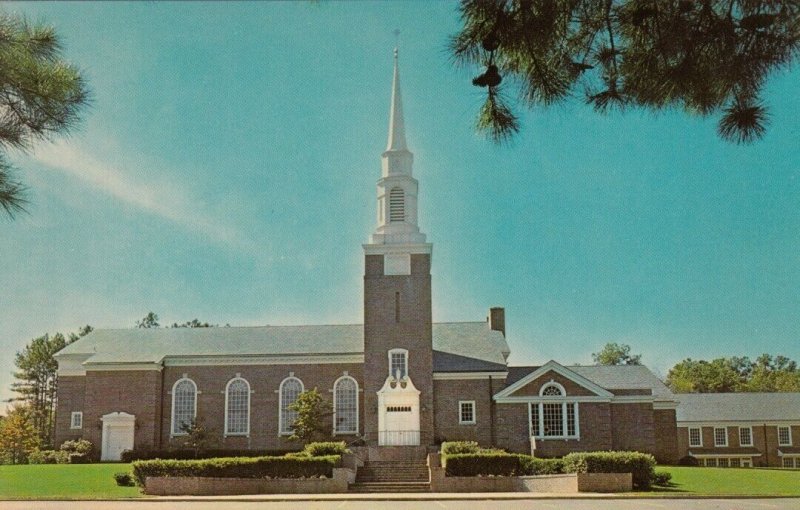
(398,413)
(118,431)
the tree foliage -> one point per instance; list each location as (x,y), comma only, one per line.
(707,57)
(40,95)
(148,321)
(765,374)
(198,437)
(312,413)
(37,379)
(18,436)
(616,354)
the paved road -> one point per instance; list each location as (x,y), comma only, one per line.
(530,504)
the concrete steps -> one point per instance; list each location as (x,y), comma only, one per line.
(392,476)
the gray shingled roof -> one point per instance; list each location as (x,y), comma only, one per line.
(458,346)
(617,377)
(705,407)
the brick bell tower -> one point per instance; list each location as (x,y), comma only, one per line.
(398,351)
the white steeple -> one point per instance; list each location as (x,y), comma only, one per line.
(397,189)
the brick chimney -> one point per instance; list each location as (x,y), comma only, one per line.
(497,319)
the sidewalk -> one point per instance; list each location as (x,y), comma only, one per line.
(411,496)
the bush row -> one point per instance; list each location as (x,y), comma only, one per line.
(238,467)
(71,452)
(174,454)
(500,464)
(640,465)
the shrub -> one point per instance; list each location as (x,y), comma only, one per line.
(662,479)
(475,464)
(688,461)
(238,467)
(48,457)
(326,448)
(79,458)
(640,465)
(77,446)
(536,466)
(456,447)
(124,479)
(132,455)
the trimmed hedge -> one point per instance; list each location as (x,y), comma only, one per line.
(324,449)
(457,447)
(48,457)
(133,455)
(640,465)
(238,467)
(500,464)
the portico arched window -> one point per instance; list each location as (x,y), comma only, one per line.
(345,405)
(552,416)
(237,407)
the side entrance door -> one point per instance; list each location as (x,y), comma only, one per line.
(118,432)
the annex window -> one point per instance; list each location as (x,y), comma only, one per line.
(789,462)
(397,206)
(736,463)
(184,405)
(745,436)
(290,389)
(237,407)
(398,363)
(695,437)
(720,436)
(466,412)
(535,430)
(784,436)
(554,420)
(723,463)
(76,420)
(345,405)
(711,462)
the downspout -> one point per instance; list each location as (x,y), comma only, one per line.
(491,413)
(766,446)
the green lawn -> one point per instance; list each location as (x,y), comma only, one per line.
(731,481)
(64,481)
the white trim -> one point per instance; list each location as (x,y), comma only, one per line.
(305,359)
(227,389)
(394,351)
(740,423)
(716,443)
(789,428)
(474,417)
(281,432)
(411,248)
(740,436)
(121,367)
(445,376)
(348,432)
(172,432)
(795,455)
(552,384)
(664,404)
(700,433)
(72,416)
(536,400)
(559,369)
(564,421)
(723,455)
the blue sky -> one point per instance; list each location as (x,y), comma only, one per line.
(226,171)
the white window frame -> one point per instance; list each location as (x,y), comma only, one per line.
(699,435)
(172,416)
(789,435)
(281,431)
(337,432)
(227,393)
(554,399)
(716,444)
(398,350)
(750,432)
(474,417)
(72,420)
(553,384)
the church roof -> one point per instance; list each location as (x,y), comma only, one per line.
(727,407)
(616,377)
(458,346)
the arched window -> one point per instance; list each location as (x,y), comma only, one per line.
(184,405)
(237,407)
(552,416)
(345,405)
(553,389)
(397,205)
(398,362)
(290,389)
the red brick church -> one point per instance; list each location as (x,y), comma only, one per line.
(397,379)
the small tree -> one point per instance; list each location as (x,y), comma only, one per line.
(18,436)
(198,438)
(312,411)
(148,321)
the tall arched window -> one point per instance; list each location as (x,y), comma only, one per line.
(397,205)
(345,405)
(237,407)
(184,405)
(290,389)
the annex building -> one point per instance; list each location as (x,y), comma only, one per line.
(398,379)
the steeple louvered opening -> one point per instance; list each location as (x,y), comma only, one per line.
(397,206)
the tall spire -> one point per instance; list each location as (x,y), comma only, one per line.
(397,129)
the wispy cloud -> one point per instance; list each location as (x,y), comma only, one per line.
(172,203)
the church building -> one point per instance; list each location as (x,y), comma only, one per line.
(398,379)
